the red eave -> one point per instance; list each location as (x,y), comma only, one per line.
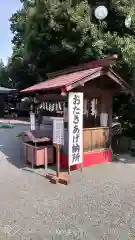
(61,81)
(93,64)
(70,78)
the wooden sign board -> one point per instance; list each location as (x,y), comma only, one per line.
(58,131)
(75,128)
(32,121)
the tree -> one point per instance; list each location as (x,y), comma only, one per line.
(54,34)
(4,79)
(50,35)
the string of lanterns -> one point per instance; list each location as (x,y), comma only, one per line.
(101,12)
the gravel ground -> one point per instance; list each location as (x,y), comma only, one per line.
(98,204)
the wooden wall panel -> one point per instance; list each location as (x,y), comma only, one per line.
(95,139)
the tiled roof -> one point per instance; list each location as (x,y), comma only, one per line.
(4,90)
(72,75)
(61,81)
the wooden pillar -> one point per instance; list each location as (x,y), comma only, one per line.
(110,111)
(109,106)
(103,101)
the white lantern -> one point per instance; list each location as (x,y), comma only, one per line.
(128,21)
(101,12)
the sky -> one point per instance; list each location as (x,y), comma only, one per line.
(7,8)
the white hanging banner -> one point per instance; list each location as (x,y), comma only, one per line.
(58,131)
(75,103)
(85,110)
(32,121)
(103,119)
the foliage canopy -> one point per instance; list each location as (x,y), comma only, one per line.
(54,34)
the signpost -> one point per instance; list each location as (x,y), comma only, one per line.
(75,129)
(58,141)
(58,131)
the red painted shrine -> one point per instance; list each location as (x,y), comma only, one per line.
(99,84)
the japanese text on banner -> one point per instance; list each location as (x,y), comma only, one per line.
(76,144)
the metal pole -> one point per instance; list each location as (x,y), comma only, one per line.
(68,169)
(45,159)
(58,159)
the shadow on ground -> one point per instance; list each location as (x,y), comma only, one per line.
(11,145)
(12,148)
(124,158)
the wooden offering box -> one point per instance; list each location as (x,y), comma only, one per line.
(38,150)
(38,155)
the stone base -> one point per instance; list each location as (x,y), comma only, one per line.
(63,179)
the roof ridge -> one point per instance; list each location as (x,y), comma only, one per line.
(84,66)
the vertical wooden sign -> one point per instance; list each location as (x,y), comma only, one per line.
(75,128)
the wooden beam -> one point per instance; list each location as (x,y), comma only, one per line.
(50,97)
(119,81)
(85,80)
(94,92)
